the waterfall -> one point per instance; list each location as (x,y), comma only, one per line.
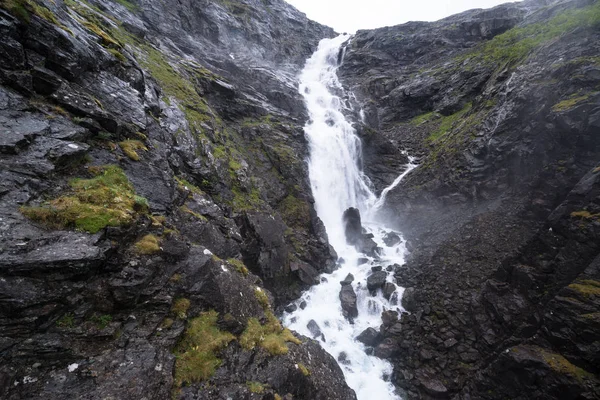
(337,183)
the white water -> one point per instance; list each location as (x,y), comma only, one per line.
(338,183)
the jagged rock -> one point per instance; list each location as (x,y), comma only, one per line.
(391,239)
(314,329)
(409,301)
(347,280)
(376,280)
(389,317)
(434,387)
(388,289)
(369,337)
(348,300)
(386,349)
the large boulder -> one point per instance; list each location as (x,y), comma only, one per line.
(348,300)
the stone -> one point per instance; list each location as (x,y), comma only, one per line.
(388,289)
(391,239)
(347,280)
(352,226)
(348,300)
(376,280)
(314,329)
(369,337)
(409,299)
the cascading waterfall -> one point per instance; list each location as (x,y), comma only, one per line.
(338,183)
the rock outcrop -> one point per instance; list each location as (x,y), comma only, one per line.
(501,108)
(153,195)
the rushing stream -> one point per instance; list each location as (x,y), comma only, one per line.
(338,183)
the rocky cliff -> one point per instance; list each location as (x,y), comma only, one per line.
(154,203)
(502,109)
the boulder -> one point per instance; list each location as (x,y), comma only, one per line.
(369,337)
(376,280)
(352,226)
(348,300)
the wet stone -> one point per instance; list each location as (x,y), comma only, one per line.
(347,280)
(376,280)
(369,337)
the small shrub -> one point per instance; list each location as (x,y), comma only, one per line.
(101,321)
(66,321)
(255,387)
(196,353)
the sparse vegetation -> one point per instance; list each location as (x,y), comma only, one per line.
(255,387)
(106,200)
(586,287)
(295,212)
(66,321)
(303,369)
(147,245)
(239,266)
(448,122)
(262,298)
(131,147)
(584,214)
(571,102)
(196,353)
(180,307)
(560,364)
(271,336)
(101,321)
(515,44)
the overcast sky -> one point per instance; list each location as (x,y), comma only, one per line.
(351,15)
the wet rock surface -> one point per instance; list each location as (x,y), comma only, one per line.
(500,216)
(151,173)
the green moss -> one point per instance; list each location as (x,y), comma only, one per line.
(239,266)
(149,244)
(118,55)
(255,387)
(184,185)
(271,336)
(295,212)
(244,200)
(66,321)
(187,210)
(448,122)
(303,369)
(571,102)
(166,323)
(180,307)
(586,287)
(517,43)
(420,119)
(129,5)
(196,353)
(131,147)
(106,200)
(560,364)
(262,298)
(105,39)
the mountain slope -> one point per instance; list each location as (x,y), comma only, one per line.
(502,108)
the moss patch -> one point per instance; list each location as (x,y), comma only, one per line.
(271,336)
(586,287)
(560,364)
(106,200)
(131,147)
(180,307)
(447,123)
(262,298)
(584,214)
(571,102)
(149,244)
(239,266)
(295,212)
(196,353)
(303,369)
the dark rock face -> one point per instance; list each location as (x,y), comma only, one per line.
(501,214)
(352,226)
(348,300)
(195,104)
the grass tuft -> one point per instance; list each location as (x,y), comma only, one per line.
(196,353)
(271,336)
(180,307)
(131,147)
(239,266)
(149,244)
